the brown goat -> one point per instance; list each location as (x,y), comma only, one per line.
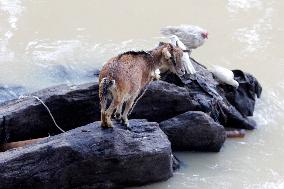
(124,76)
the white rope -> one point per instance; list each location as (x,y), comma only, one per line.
(37,98)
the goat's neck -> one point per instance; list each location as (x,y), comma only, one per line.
(157,56)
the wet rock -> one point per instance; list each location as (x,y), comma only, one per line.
(211,98)
(95,158)
(194,131)
(243,98)
(162,101)
(71,106)
(78,105)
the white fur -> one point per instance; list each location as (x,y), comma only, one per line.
(156,74)
(185,58)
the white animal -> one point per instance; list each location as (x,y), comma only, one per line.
(224,75)
(191,36)
(185,58)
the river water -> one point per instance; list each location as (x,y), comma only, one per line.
(48,42)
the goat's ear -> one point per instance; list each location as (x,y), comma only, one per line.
(161,44)
(166,53)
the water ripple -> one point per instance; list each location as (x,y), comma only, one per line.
(13,9)
(256,37)
(234,6)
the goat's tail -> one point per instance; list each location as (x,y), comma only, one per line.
(105,87)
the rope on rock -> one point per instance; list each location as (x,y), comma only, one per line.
(137,99)
(46,107)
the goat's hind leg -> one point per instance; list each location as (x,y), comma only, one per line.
(103,120)
(128,105)
(114,104)
(103,113)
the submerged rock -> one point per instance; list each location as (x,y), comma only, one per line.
(91,157)
(10,92)
(194,131)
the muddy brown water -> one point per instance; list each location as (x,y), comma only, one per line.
(48,42)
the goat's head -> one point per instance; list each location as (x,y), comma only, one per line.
(171,58)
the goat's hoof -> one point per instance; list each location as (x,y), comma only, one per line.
(104,125)
(125,122)
(109,125)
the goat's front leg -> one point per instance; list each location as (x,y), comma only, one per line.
(118,111)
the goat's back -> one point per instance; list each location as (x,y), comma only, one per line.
(130,72)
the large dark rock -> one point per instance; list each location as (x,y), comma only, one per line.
(27,118)
(211,98)
(194,131)
(91,157)
(243,98)
(76,106)
(162,101)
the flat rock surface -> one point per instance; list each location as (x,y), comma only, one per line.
(91,157)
